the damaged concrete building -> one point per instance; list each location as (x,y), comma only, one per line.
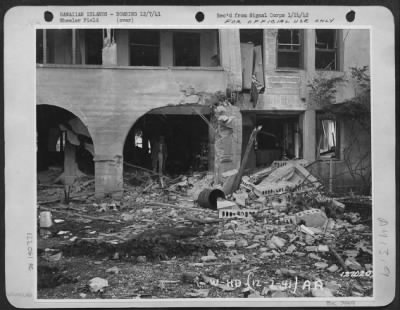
(104,96)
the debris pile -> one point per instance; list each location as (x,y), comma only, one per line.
(277,235)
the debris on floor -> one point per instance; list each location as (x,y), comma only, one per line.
(279,234)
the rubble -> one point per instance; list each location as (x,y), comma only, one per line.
(279,219)
(97,284)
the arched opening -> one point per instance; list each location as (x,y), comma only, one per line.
(63,144)
(180,134)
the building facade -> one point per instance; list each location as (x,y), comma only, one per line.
(117,89)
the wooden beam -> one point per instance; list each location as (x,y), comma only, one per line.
(238,177)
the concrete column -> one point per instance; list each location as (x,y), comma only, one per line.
(108,176)
(269,48)
(309,135)
(309,50)
(229,40)
(166,49)
(122,40)
(73,46)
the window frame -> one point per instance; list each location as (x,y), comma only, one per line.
(131,45)
(335,50)
(320,118)
(174,33)
(299,52)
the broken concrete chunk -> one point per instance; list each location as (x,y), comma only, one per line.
(314,256)
(127,217)
(291,248)
(311,248)
(278,241)
(97,284)
(321,265)
(312,218)
(368,267)
(266,255)
(55,257)
(241,243)
(321,292)
(236,259)
(205,259)
(323,248)
(333,268)
(210,253)
(253,246)
(306,230)
(222,204)
(279,294)
(229,243)
(114,270)
(240,198)
(353,264)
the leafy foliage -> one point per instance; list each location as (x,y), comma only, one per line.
(323,89)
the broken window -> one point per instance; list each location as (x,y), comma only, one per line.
(328,139)
(186,49)
(290,48)
(144,47)
(326,54)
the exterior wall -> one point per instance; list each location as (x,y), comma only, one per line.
(286,89)
(120,94)
(117,98)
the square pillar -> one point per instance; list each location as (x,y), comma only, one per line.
(309,135)
(108,176)
(309,50)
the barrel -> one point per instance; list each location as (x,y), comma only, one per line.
(208,198)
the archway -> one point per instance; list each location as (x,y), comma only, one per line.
(64,145)
(186,132)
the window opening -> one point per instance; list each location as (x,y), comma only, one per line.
(326,49)
(289,48)
(327,143)
(93,46)
(144,47)
(186,49)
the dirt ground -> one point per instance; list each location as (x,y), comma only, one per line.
(159,243)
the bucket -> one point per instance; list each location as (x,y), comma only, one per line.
(208,198)
(45,219)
